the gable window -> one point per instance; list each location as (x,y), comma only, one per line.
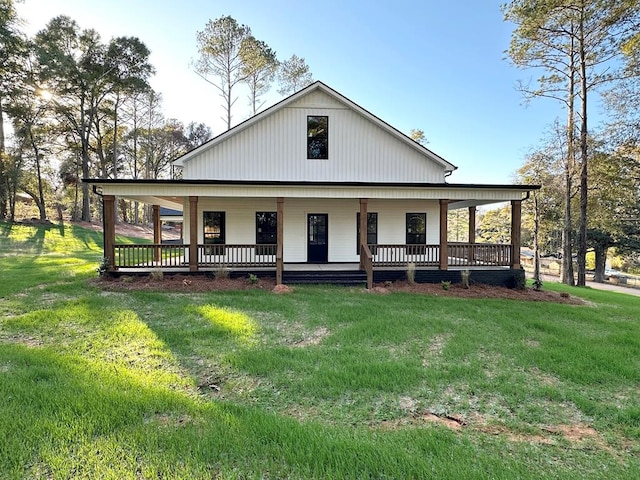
(372,230)
(214,231)
(266,232)
(317,137)
(416,233)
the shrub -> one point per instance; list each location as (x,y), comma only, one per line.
(445,284)
(221,272)
(411,273)
(103,267)
(253,278)
(464,276)
(156,274)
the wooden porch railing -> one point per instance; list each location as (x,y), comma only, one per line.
(460,255)
(149,255)
(479,254)
(263,255)
(252,255)
(177,256)
(400,255)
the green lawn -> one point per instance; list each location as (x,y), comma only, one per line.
(321,383)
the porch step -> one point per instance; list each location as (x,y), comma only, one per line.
(339,277)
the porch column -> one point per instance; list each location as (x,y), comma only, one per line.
(279,239)
(472,234)
(109,229)
(157,232)
(193,234)
(516,221)
(444,245)
(363,228)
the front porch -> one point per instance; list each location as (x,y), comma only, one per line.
(235,240)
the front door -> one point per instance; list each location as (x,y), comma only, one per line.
(317,236)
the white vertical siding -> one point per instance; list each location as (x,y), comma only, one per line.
(342,228)
(275,149)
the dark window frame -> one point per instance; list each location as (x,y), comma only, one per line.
(372,219)
(269,237)
(416,241)
(218,239)
(317,137)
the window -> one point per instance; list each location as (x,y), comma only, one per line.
(214,231)
(416,232)
(266,232)
(317,137)
(372,230)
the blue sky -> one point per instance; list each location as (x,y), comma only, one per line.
(426,64)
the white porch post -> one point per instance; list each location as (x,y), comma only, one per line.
(472,234)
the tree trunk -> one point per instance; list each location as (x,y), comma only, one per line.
(86,203)
(566,273)
(601,260)
(3,178)
(582,229)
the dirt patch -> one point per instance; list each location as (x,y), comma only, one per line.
(204,283)
(314,339)
(181,283)
(481,291)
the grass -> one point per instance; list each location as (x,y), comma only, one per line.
(321,383)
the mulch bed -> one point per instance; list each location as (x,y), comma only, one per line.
(201,283)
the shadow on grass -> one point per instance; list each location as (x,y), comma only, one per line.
(63,416)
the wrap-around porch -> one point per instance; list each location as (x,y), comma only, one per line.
(374,258)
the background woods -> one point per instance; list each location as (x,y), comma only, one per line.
(75,106)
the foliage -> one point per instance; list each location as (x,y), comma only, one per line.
(323,383)
(259,65)
(411,273)
(219,49)
(465,276)
(293,75)
(103,267)
(494,226)
(445,284)
(253,278)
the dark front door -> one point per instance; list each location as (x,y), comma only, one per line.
(317,237)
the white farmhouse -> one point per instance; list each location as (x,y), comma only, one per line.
(316,188)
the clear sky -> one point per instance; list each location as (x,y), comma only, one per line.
(433,65)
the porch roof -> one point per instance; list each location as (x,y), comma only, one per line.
(171,193)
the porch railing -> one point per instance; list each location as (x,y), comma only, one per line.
(177,256)
(149,256)
(263,255)
(479,254)
(400,255)
(459,255)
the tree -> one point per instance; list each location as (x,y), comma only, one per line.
(197,134)
(495,225)
(12,51)
(259,65)
(220,47)
(82,74)
(418,136)
(614,203)
(576,44)
(293,75)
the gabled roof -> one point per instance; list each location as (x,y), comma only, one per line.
(318,85)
